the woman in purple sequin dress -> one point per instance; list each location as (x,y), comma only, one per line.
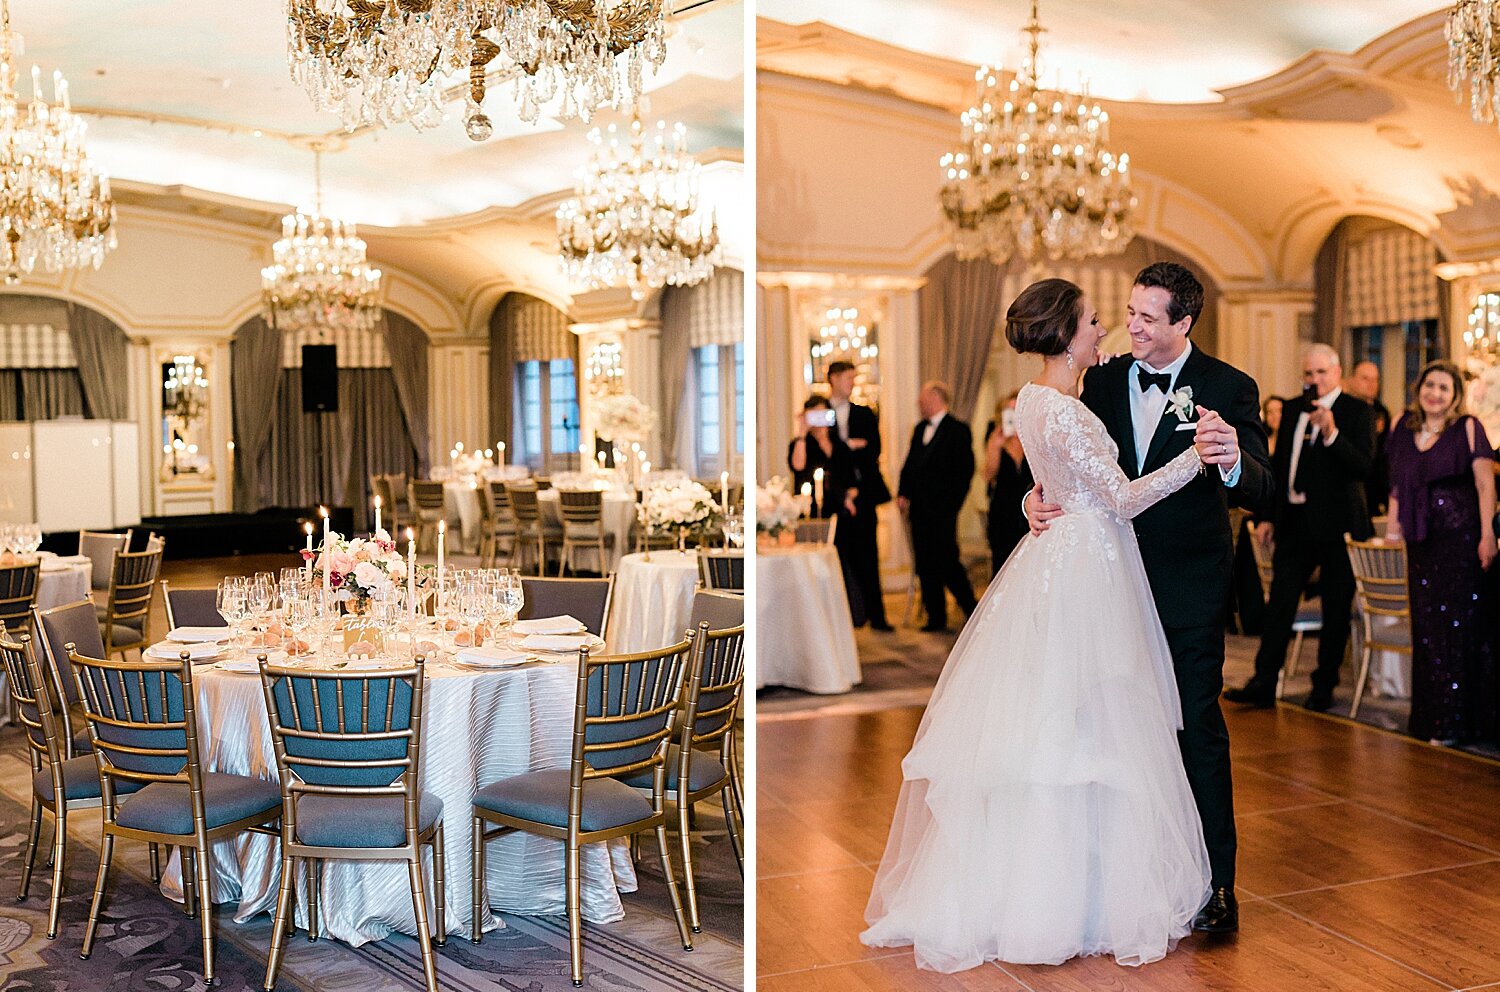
(1443,505)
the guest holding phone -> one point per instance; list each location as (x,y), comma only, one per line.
(817,445)
(1009,480)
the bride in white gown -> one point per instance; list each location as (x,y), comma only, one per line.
(1045,813)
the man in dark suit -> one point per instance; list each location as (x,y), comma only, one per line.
(1324,455)
(859,429)
(1185,541)
(934,482)
(1364,382)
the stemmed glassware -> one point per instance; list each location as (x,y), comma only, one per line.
(232,602)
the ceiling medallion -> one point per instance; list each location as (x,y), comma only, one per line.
(1473,33)
(319,278)
(1033,175)
(55,204)
(384,62)
(634,220)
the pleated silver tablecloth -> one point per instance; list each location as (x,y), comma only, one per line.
(476,727)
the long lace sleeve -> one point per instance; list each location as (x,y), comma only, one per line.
(1092,459)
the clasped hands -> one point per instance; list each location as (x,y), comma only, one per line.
(1217,442)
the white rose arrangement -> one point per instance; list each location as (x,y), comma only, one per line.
(776,507)
(675,505)
(362,568)
(623,418)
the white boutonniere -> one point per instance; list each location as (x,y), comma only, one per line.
(1181,403)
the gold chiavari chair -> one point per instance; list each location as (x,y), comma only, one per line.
(1384,602)
(621,728)
(426,501)
(585,600)
(722,568)
(125,619)
(18,585)
(583,528)
(59,784)
(142,722)
(502,525)
(532,532)
(100,547)
(347,753)
(704,755)
(819,530)
(1309,618)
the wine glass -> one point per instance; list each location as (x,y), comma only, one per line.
(231,602)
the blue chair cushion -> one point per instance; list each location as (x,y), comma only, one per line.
(164,807)
(705,771)
(80,781)
(542,797)
(81,742)
(361,821)
(126,637)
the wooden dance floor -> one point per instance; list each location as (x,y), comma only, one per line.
(1367,861)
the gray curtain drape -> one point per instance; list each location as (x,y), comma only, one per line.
(959,308)
(503,371)
(407,344)
(1328,287)
(254,367)
(329,457)
(50,393)
(676,353)
(101,349)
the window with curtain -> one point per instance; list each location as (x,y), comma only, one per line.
(719,402)
(545,433)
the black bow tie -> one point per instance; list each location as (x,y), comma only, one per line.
(1160,380)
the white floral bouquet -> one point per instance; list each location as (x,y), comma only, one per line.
(623,418)
(777,508)
(360,568)
(679,504)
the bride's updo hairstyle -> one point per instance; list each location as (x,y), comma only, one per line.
(1044,318)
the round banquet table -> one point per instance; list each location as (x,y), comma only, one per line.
(805,634)
(618,514)
(477,727)
(653,600)
(464,514)
(63,580)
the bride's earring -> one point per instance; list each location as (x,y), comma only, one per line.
(1069,353)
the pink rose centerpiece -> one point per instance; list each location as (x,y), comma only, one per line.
(360,569)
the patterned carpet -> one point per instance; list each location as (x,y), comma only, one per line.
(146,944)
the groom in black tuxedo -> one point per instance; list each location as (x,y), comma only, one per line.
(1149,402)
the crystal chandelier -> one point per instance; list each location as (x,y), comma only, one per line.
(1473,33)
(382,62)
(1033,174)
(634,220)
(844,336)
(1482,337)
(604,370)
(55,206)
(319,277)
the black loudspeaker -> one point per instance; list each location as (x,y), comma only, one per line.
(320,378)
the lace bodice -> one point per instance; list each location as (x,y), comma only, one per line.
(1077,463)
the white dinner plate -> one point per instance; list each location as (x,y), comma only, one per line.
(197,635)
(170,651)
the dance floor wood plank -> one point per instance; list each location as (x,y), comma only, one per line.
(891,974)
(1328,810)
(1413,920)
(812,919)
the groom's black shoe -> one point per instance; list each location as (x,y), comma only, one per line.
(1221,915)
(1319,700)
(1252,694)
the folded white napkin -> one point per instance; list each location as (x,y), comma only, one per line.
(197,635)
(558,642)
(242,664)
(549,625)
(170,651)
(491,657)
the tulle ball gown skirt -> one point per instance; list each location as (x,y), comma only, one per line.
(1045,813)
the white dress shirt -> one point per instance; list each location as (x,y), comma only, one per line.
(1148,407)
(841,417)
(1326,402)
(932,426)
